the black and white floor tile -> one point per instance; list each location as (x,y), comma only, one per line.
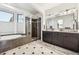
(38,48)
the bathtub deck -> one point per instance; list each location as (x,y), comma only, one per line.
(10,44)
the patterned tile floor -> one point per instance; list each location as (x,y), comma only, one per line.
(38,48)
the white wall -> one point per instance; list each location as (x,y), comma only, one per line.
(61,7)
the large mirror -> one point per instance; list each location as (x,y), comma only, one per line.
(66,21)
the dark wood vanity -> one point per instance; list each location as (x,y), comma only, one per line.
(68,40)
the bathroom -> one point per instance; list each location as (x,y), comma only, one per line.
(39,29)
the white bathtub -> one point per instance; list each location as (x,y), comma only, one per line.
(10,37)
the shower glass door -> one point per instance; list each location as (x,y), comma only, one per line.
(27,26)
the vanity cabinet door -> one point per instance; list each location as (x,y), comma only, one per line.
(60,39)
(70,41)
(65,40)
(54,38)
(57,38)
(46,37)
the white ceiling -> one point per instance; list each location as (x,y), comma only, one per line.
(34,8)
(24,6)
(46,6)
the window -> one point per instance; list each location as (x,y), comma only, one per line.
(20,18)
(6,17)
(20,23)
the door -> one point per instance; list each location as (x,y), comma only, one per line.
(34,27)
(39,28)
(27,26)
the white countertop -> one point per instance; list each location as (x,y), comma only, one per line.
(62,31)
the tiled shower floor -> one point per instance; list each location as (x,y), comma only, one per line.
(38,48)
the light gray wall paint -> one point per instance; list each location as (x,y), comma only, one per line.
(61,7)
